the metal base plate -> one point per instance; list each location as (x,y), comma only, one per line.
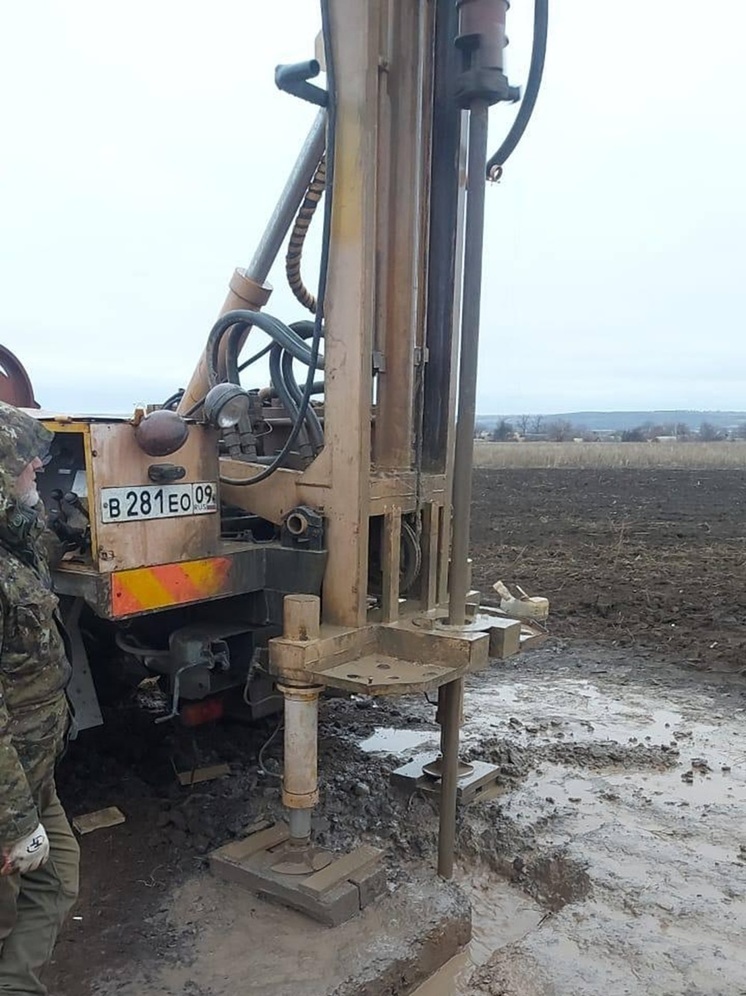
(479,785)
(379,674)
(435,769)
(332,894)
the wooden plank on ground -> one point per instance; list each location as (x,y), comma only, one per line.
(197,775)
(341,870)
(100,820)
(239,850)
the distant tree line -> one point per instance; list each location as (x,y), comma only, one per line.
(530,428)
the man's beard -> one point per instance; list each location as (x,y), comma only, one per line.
(31,498)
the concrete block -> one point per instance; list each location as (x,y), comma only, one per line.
(505,638)
(331,895)
(479,785)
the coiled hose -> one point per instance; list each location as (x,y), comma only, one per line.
(234,323)
(313,424)
(298,237)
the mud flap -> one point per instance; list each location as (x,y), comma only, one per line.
(81,691)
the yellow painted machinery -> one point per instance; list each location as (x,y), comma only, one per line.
(312,533)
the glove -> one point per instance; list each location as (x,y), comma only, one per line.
(69,536)
(26,855)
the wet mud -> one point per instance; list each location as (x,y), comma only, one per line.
(635,861)
(614,859)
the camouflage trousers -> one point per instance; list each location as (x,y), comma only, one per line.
(33,907)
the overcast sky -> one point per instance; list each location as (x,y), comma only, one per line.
(144,145)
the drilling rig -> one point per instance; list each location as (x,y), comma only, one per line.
(312,534)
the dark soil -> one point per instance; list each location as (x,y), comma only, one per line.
(653,558)
(128,870)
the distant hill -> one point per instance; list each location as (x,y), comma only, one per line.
(629,420)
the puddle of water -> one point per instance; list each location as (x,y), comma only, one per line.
(658,847)
(387,740)
(501,915)
(658,727)
(584,802)
(715,788)
(581,712)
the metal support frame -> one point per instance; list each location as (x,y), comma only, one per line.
(450,697)
(463,464)
(445,244)
(404,112)
(378,292)
(350,310)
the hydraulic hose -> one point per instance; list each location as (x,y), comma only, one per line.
(311,435)
(233,324)
(276,329)
(302,223)
(305,330)
(314,361)
(282,391)
(533,84)
(232,348)
(252,359)
(313,425)
(173,400)
(283,378)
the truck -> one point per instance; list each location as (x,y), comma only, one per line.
(251,546)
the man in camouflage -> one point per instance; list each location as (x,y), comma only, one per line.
(39,855)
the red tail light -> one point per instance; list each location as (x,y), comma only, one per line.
(196,713)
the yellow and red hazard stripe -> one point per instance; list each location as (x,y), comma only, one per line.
(146,588)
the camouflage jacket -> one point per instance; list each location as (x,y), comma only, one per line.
(34,669)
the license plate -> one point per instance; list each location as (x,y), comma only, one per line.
(168,501)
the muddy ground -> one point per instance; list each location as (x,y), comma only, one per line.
(614,859)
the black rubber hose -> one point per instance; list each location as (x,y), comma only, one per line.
(324,266)
(174,399)
(533,85)
(306,444)
(232,348)
(233,324)
(305,330)
(313,425)
(287,400)
(254,358)
(231,352)
(272,326)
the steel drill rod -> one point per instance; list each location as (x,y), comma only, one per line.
(449,709)
(299,822)
(467,383)
(289,202)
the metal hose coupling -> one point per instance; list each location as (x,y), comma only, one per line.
(481,41)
